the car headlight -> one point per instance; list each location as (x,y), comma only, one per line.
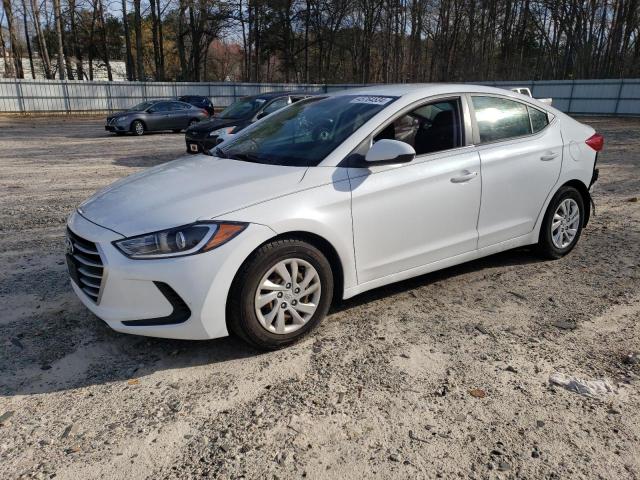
(175,242)
(121,119)
(222,131)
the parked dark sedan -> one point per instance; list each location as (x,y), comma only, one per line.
(154,116)
(198,101)
(240,114)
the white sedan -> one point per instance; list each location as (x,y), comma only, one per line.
(328,198)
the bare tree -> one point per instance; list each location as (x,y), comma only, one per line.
(14,45)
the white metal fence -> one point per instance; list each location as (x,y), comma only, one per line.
(599,97)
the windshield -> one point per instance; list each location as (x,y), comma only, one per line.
(242,108)
(140,107)
(304,133)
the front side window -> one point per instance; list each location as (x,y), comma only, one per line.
(160,107)
(306,132)
(430,128)
(140,107)
(500,118)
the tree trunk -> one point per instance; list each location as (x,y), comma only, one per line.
(160,41)
(75,47)
(42,43)
(105,50)
(16,53)
(154,38)
(127,40)
(137,24)
(9,71)
(58,20)
(27,37)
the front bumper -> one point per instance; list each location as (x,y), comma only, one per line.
(182,297)
(199,145)
(116,128)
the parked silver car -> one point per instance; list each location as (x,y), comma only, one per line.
(154,116)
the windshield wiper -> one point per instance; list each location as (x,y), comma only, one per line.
(245,157)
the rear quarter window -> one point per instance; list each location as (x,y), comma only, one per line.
(539,119)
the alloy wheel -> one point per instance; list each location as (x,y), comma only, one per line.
(287,296)
(565,223)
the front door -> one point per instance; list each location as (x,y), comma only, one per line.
(409,215)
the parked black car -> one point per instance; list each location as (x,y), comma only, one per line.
(240,114)
(155,115)
(198,101)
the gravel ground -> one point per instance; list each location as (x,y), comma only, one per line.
(446,375)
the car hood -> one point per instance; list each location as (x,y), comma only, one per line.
(123,113)
(214,123)
(196,187)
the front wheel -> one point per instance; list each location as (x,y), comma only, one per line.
(280,294)
(562,223)
(137,127)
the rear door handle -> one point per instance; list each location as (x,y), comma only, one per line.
(465,177)
(548,156)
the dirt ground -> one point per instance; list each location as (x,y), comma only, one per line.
(446,375)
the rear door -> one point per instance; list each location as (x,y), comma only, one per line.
(521,156)
(409,215)
(179,115)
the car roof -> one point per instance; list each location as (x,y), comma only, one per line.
(417,91)
(399,90)
(272,95)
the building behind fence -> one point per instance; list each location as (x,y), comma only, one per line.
(598,97)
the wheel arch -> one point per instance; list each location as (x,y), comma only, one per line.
(321,243)
(584,193)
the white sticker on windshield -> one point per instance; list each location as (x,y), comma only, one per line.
(372,100)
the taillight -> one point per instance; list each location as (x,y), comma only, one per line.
(595,141)
(205,112)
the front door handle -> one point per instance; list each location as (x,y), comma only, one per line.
(548,156)
(465,177)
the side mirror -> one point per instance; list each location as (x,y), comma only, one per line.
(385,152)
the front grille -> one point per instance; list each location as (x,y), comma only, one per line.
(198,134)
(85,265)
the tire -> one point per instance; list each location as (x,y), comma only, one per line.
(137,128)
(289,324)
(553,243)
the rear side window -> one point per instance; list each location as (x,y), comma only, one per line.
(539,119)
(500,118)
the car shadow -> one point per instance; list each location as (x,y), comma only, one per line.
(66,348)
(519,256)
(147,160)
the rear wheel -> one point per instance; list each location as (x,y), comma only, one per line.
(562,224)
(137,128)
(280,294)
